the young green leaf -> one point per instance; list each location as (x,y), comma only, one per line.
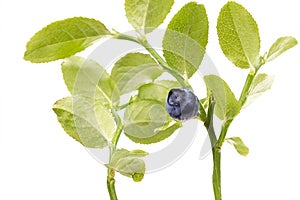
(227,106)
(89,123)
(146,122)
(238,35)
(128,163)
(280,46)
(64,38)
(260,84)
(239,145)
(186,38)
(147,15)
(87,78)
(134,70)
(157,90)
(159,135)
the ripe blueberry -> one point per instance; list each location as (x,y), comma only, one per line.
(182,104)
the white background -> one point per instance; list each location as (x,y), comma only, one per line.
(39,161)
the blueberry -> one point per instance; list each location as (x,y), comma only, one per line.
(182,104)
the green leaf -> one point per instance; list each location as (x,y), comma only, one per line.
(64,38)
(128,163)
(147,121)
(238,35)
(134,70)
(186,38)
(157,90)
(159,135)
(202,112)
(87,78)
(87,122)
(147,14)
(227,106)
(239,145)
(260,84)
(280,46)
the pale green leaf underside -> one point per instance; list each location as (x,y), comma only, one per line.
(239,145)
(128,163)
(157,90)
(227,106)
(161,134)
(146,122)
(89,79)
(186,38)
(134,70)
(280,46)
(64,38)
(88,123)
(238,35)
(261,83)
(147,15)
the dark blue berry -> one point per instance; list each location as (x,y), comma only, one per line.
(182,104)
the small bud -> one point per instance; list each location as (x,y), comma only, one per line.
(137,177)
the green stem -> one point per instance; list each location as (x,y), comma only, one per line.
(216,178)
(244,93)
(143,42)
(226,124)
(249,80)
(111,184)
(118,132)
(216,149)
(165,66)
(122,36)
(224,130)
(121,107)
(209,123)
(110,172)
(217,173)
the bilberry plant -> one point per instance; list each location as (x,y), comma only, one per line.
(157,107)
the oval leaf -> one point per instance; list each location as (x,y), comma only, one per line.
(147,15)
(239,145)
(157,90)
(186,38)
(227,107)
(134,70)
(89,79)
(260,84)
(159,135)
(146,122)
(90,124)
(280,46)
(63,38)
(238,35)
(128,163)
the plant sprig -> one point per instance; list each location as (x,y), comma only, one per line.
(90,115)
